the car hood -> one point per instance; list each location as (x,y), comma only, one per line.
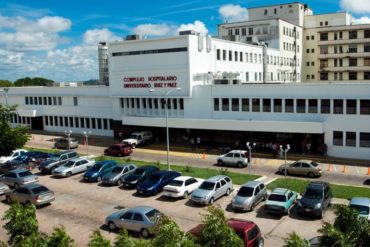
(48,162)
(242,199)
(201,192)
(132,177)
(91,173)
(309,202)
(116,215)
(112,176)
(148,184)
(62,169)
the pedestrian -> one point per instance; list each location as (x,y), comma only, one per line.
(198,142)
(192,144)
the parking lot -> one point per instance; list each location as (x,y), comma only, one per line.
(82,207)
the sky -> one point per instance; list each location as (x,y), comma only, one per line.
(58,39)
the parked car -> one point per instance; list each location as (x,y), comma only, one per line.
(280,201)
(139,138)
(9,166)
(73,166)
(118,150)
(66,143)
(155,182)
(57,160)
(14,154)
(182,186)
(18,177)
(302,167)
(114,176)
(3,189)
(249,195)
(35,193)
(29,160)
(247,230)
(212,189)
(138,219)
(138,176)
(316,199)
(362,205)
(95,173)
(238,158)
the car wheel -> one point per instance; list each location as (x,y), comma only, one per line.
(119,182)
(133,145)
(16,185)
(112,226)
(239,165)
(144,232)
(228,192)
(186,194)
(212,200)
(220,163)
(311,175)
(98,179)
(260,242)
(69,174)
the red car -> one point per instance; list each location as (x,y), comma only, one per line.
(247,230)
(118,150)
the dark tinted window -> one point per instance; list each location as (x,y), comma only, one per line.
(207,186)
(153,215)
(245,191)
(24,174)
(138,217)
(313,194)
(39,190)
(227,179)
(278,198)
(253,233)
(127,216)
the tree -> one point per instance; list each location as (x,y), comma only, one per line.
(11,138)
(124,240)
(97,240)
(22,223)
(6,83)
(216,232)
(294,240)
(60,238)
(37,81)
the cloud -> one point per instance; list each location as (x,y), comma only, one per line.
(233,13)
(21,10)
(356,6)
(54,24)
(196,26)
(362,20)
(94,36)
(149,29)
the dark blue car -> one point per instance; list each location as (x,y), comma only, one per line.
(156,182)
(29,159)
(95,173)
(139,176)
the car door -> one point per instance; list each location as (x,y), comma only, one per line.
(295,168)
(126,221)
(237,158)
(257,195)
(9,178)
(137,222)
(262,191)
(305,168)
(228,158)
(80,166)
(190,184)
(218,191)
(21,195)
(327,196)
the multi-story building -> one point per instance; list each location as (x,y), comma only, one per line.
(103,63)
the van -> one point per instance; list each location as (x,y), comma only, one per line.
(139,138)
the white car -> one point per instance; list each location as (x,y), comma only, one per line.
(182,186)
(73,166)
(14,154)
(238,158)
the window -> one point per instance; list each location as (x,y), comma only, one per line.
(324,76)
(54,100)
(46,120)
(235,104)
(367,33)
(245,104)
(365,107)
(35,100)
(56,120)
(312,50)
(59,101)
(236,56)
(71,121)
(75,101)
(138,217)
(266,105)
(301,105)
(324,49)
(307,37)
(61,121)
(352,34)
(45,100)
(230,56)
(321,24)
(256,105)
(278,105)
(225,104)
(66,121)
(99,123)
(241,56)
(351,106)
(224,55)
(218,54)
(105,123)
(367,75)
(352,62)
(340,35)
(324,63)
(367,61)
(246,76)
(308,50)
(337,138)
(335,36)
(40,100)
(325,106)
(77,122)
(216,104)
(93,124)
(352,48)
(352,75)
(26,101)
(289,105)
(324,36)
(312,37)
(326,23)
(367,47)
(87,121)
(364,140)
(237,32)
(312,106)
(338,106)
(351,139)
(31,100)
(244,31)
(250,31)
(82,122)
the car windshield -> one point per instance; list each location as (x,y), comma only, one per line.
(207,186)
(139,171)
(176,183)
(96,167)
(313,194)
(277,198)
(133,137)
(21,158)
(55,157)
(153,215)
(117,170)
(25,174)
(155,177)
(361,209)
(39,190)
(245,192)
(314,164)
(69,164)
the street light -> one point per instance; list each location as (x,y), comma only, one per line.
(165,94)
(68,133)
(250,147)
(287,148)
(87,134)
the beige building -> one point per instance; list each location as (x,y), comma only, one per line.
(335,49)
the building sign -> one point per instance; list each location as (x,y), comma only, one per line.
(150,82)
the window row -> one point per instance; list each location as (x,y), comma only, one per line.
(323,106)
(16,119)
(349,139)
(352,48)
(352,76)
(352,34)
(236,56)
(290,46)
(152,103)
(291,32)
(78,122)
(33,100)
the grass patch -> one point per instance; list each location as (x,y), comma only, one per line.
(339,191)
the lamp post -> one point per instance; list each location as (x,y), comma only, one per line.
(287,148)
(165,94)
(250,146)
(87,134)
(68,134)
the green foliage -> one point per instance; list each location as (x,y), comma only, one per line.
(294,240)
(60,238)
(11,138)
(22,223)
(224,171)
(36,81)
(158,164)
(128,160)
(216,232)
(97,240)
(124,240)
(188,169)
(34,240)
(6,83)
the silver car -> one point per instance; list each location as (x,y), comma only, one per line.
(138,219)
(3,189)
(238,158)
(362,205)
(66,143)
(212,189)
(249,195)
(114,176)
(73,166)
(18,177)
(36,194)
